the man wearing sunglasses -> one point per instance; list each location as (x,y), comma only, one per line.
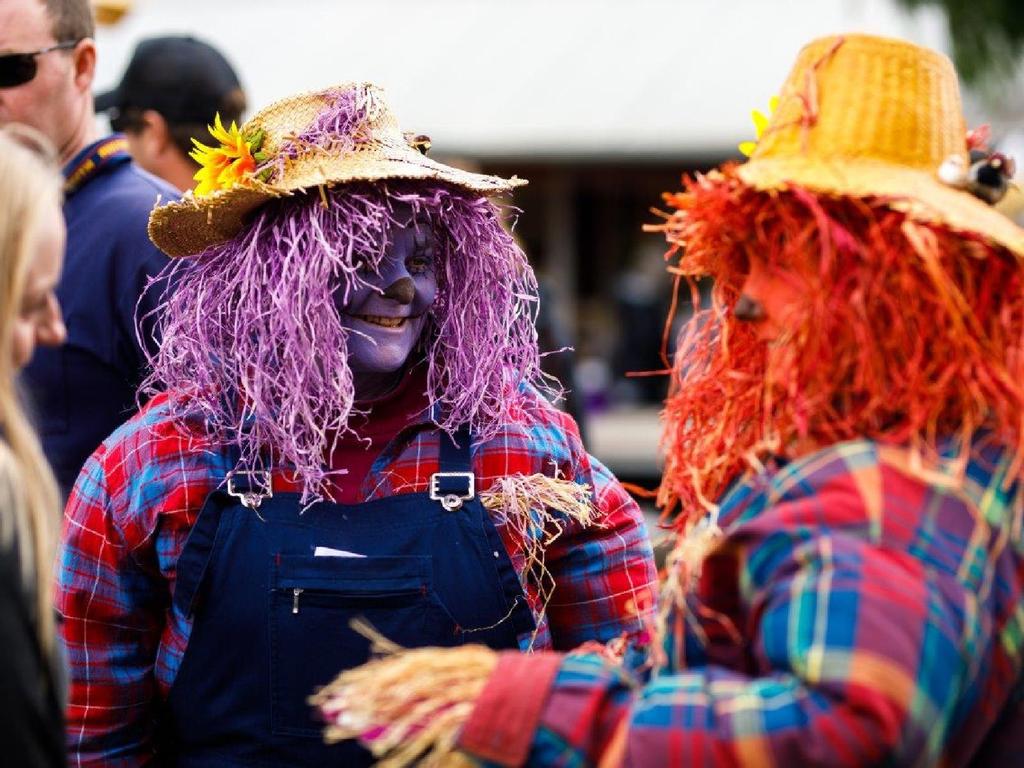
(83,390)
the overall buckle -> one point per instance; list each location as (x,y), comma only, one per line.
(441,489)
(252,494)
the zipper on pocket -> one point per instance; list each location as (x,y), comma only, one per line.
(348,597)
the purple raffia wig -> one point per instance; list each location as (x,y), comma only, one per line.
(253,346)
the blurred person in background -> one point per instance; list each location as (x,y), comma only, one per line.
(82,390)
(558,354)
(169,93)
(31,253)
(641,301)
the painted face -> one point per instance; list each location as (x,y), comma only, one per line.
(39,318)
(770,297)
(386,317)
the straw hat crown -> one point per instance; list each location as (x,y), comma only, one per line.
(335,136)
(867,116)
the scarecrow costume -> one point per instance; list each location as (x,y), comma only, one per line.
(219,546)
(847,586)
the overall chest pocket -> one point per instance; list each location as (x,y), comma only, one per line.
(312,602)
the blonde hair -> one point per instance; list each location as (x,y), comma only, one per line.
(29,500)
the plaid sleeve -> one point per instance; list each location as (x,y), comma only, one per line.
(855,651)
(111,611)
(604,574)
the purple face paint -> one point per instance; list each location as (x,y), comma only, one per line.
(386,313)
(255,350)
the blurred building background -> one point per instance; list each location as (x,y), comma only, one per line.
(601,104)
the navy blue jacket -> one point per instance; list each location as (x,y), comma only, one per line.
(85,389)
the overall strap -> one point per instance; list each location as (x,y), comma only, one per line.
(249,486)
(455,451)
(196,554)
(457,484)
(454,481)
(240,487)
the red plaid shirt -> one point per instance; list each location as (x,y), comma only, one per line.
(138,496)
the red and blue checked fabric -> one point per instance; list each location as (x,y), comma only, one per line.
(140,493)
(858,611)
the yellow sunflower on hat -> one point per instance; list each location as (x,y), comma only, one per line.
(228,164)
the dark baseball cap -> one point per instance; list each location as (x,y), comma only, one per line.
(184,79)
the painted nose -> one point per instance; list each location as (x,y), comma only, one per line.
(748,309)
(403,291)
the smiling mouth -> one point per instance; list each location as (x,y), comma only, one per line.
(384,322)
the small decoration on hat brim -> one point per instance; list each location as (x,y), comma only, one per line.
(232,162)
(985,174)
(418,141)
(760,124)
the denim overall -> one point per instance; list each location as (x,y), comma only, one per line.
(272,591)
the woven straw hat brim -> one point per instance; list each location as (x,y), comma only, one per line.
(1012,206)
(918,194)
(191,225)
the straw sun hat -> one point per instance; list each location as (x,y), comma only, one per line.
(864,116)
(313,140)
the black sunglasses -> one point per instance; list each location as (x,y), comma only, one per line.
(19,68)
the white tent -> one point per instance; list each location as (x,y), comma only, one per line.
(544,78)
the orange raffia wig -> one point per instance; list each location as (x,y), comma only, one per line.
(906,333)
